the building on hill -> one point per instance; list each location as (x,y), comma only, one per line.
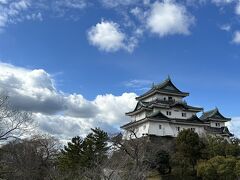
(162,111)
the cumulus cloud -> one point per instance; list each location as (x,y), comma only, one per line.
(58,113)
(236,37)
(107,36)
(234,126)
(168,18)
(112,108)
(237,8)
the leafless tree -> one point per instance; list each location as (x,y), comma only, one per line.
(28,159)
(13,122)
(131,156)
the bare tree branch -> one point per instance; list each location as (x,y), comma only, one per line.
(13,122)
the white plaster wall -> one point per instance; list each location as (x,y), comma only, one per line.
(151,98)
(166,130)
(140,116)
(198,129)
(171,129)
(142,129)
(133,118)
(161,97)
(213,124)
(177,113)
(139,131)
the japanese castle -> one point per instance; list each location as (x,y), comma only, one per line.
(162,111)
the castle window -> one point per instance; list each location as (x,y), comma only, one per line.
(178,129)
(160,126)
(184,114)
(218,124)
(192,129)
(164,99)
(170,98)
(169,113)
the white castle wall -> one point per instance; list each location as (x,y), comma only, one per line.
(161,97)
(213,124)
(167,129)
(177,113)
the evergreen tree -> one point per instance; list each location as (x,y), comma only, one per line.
(95,148)
(219,167)
(83,156)
(188,144)
(189,149)
(71,155)
(163,162)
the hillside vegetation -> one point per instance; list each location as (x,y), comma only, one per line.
(97,156)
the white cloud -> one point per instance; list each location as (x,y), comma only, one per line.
(75,4)
(3,21)
(3,1)
(14,11)
(115,3)
(19,5)
(225,27)
(234,126)
(168,18)
(136,83)
(222,2)
(236,37)
(107,36)
(58,113)
(237,8)
(112,108)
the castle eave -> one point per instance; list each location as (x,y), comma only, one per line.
(138,111)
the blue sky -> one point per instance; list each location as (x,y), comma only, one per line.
(102,53)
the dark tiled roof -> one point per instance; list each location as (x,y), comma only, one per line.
(160,116)
(163,104)
(193,119)
(133,122)
(222,130)
(213,114)
(157,115)
(167,86)
(140,106)
(185,106)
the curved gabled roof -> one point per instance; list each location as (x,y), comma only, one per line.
(213,115)
(166,87)
(193,119)
(157,115)
(141,105)
(223,130)
(186,106)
